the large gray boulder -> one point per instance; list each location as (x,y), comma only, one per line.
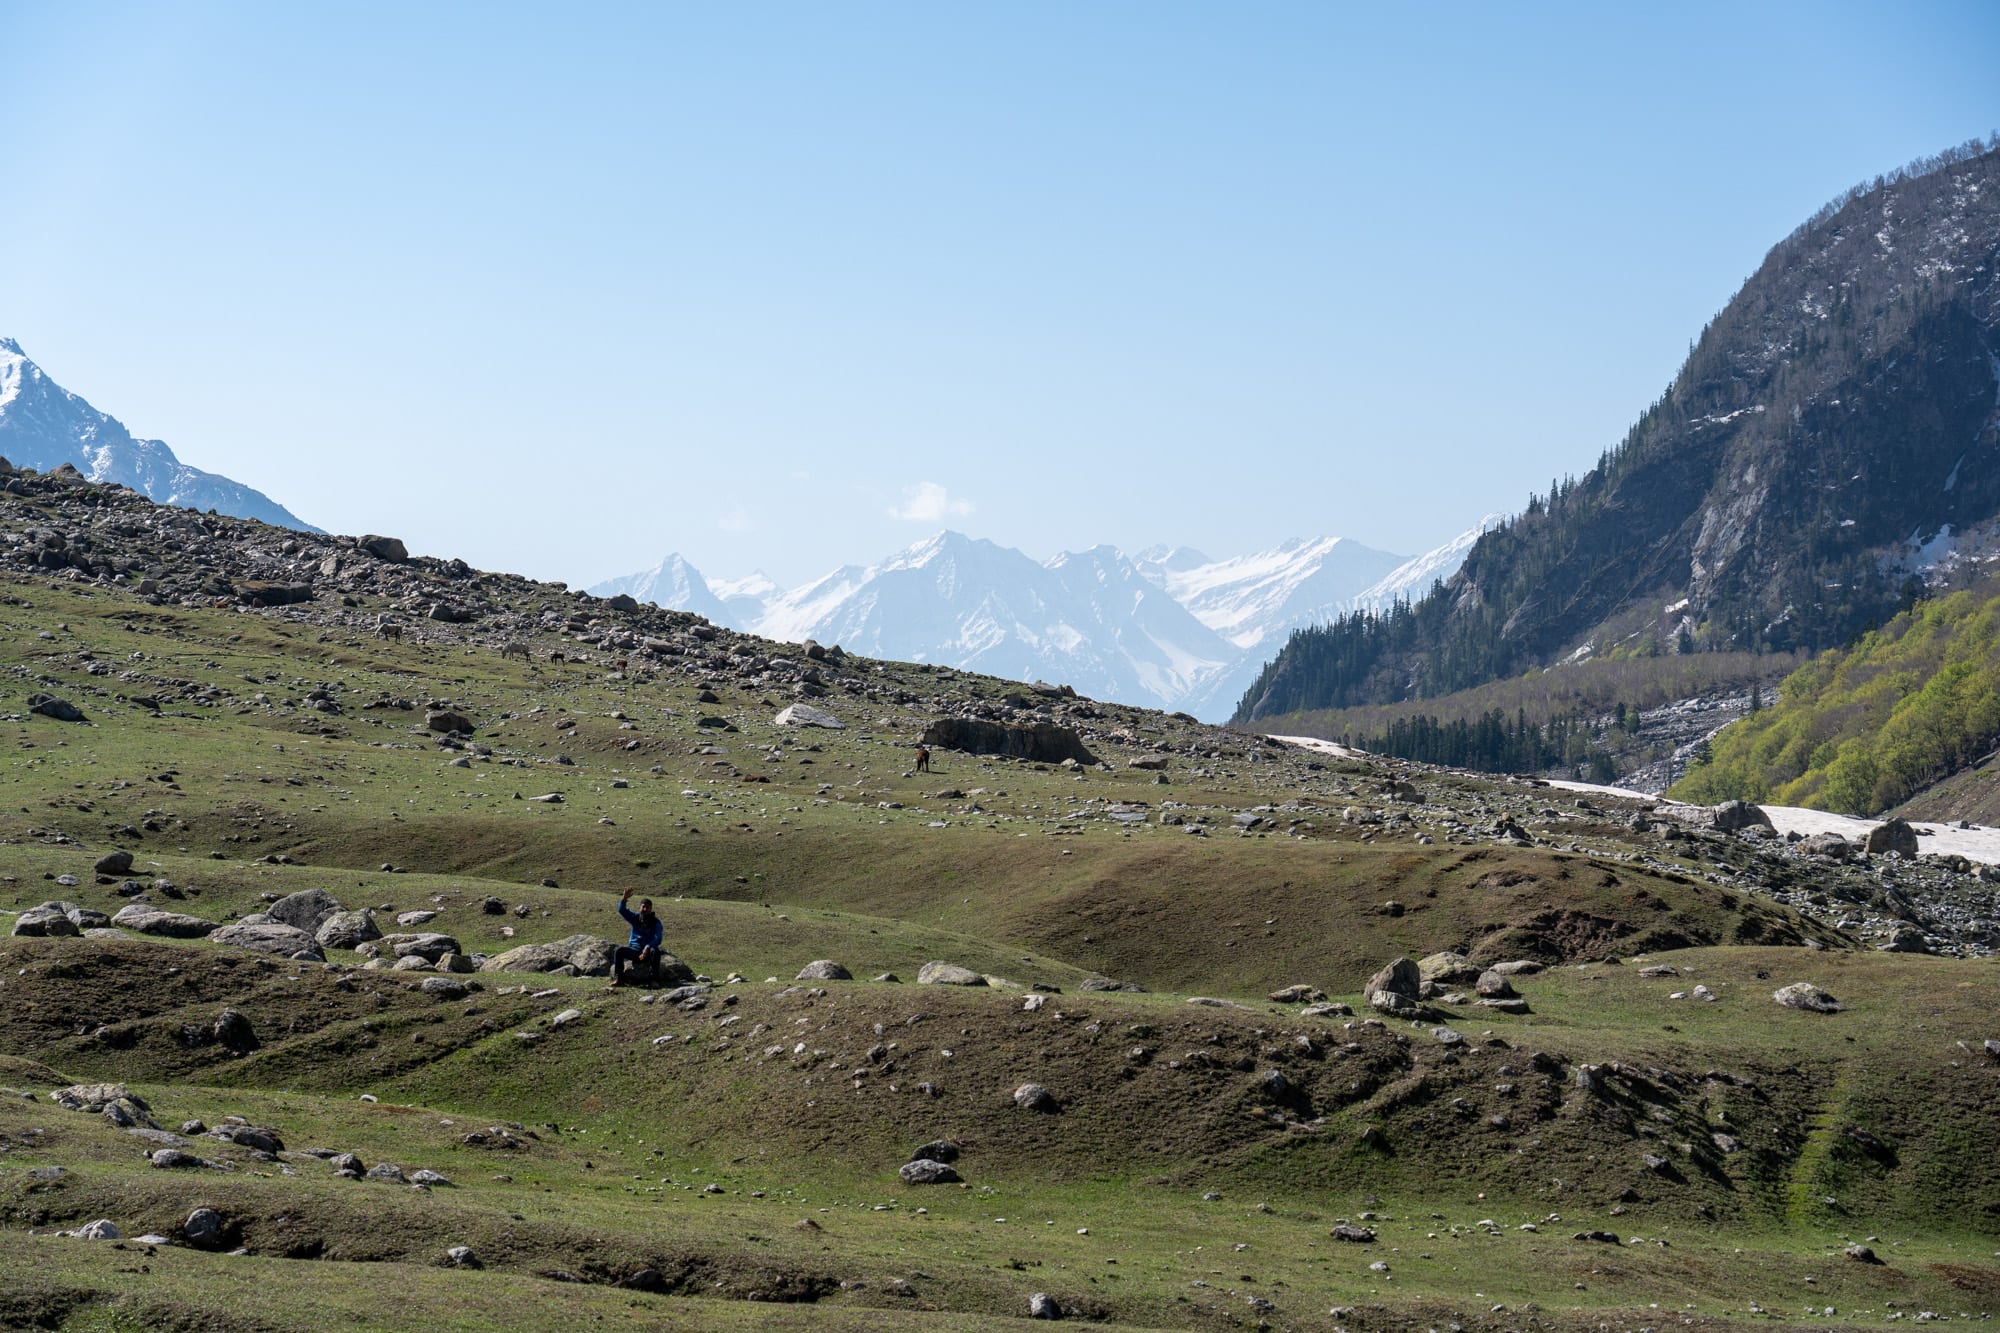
(805,715)
(1894,835)
(48,919)
(1395,988)
(1805,995)
(1735,816)
(1447,968)
(149,920)
(825,969)
(426,945)
(305,910)
(347,930)
(589,955)
(266,937)
(948,974)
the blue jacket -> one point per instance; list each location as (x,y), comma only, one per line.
(643,935)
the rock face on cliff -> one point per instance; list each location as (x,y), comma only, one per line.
(1832,436)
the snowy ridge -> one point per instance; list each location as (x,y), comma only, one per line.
(1169,628)
(43,426)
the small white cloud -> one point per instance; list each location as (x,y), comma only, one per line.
(928,502)
(736,520)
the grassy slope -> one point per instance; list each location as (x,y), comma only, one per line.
(1035,885)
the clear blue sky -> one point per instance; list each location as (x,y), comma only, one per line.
(562,288)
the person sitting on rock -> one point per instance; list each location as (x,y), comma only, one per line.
(644,946)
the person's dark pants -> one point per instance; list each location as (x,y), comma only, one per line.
(622,955)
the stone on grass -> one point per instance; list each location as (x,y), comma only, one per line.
(805,715)
(589,955)
(203,1228)
(461,1256)
(925,1171)
(1035,1097)
(824,969)
(387,1171)
(1041,1305)
(948,974)
(102,1229)
(1494,986)
(1354,1235)
(347,930)
(937,1150)
(430,1179)
(305,910)
(114,863)
(150,920)
(233,1030)
(1805,995)
(267,937)
(1394,989)
(47,920)
(172,1159)
(445,988)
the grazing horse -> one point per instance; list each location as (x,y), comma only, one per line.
(923,759)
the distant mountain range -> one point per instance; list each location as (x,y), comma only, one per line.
(43,426)
(1167,628)
(1830,448)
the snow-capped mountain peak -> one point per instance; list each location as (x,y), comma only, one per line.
(1169,628)
(43,426)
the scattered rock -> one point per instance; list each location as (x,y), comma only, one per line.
(203,1228)
(1354,1235)
(948,974)
(149,920)
(461,1256)
(1805,995)
(306,910)
(1035,1097)
(925,1171)
(1394,989)
(805,715)
(114,863)
(347,930)
(267,937)
(47,920)
(1041,1305)
(825,969)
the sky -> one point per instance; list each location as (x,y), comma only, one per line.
(561,289)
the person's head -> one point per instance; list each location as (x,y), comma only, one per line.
(645,907)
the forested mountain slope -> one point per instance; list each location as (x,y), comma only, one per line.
(1831,436)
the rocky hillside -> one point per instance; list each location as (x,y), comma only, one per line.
(310,855)
(44,426)
(1832,440)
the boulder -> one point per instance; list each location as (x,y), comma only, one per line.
(824,970)
(234,1032)
(1299,994)
(445,988)
(924,1171)
(444,719)
(1735,816)
(203,1228)
(937,1150)
(1445,969)
(306,910)
(114,863)
(1805,995)
(1040,742)
(805,715)
(347,930)
(97,1098)
(385,548)
(589,955)
(1041,1305)
(1894,835)
(1035,1097)
(102,1229)
(149,920)
(948,974)
(1830,845)
(62,710)
(1395,988)
(427,945)
(1494,986)
(48,919)
(267,937)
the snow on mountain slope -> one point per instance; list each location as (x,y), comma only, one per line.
(1250,598)
(1414,577)
(1170,629)
(1089,620)
(43,426)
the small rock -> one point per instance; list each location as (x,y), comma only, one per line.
(1035,1097)
(925,1171)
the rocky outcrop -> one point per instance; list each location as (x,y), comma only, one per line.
(1040,742)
